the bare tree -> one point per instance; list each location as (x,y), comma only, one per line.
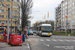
(26,6)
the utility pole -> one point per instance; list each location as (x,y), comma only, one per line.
(7,22)
(8,25)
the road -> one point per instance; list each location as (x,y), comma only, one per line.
(52,43)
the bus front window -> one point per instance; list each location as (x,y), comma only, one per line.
(46,28)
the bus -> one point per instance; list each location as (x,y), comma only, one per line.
(44,30)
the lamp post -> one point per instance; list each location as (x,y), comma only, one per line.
(7,21)
(8,25)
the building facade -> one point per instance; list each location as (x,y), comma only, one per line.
(57,23)
(13,5)
(67,9)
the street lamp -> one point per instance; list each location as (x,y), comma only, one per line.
(7,21)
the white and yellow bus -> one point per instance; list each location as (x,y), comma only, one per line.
(44,30)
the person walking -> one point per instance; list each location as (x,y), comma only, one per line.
(28,32)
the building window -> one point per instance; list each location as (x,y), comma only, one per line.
(1,5)
(15,6)
(6,21)
(1,16)
(7,5)
(8,0)
(14,0)
(0,22)
(14,17)
(2,11)
(6,11)
(9,22)
(14,22)
(3,22)
(1,0)
(14,11)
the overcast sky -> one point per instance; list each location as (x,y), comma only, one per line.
(42,7)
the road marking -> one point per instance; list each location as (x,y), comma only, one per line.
(73,40)
(41,40)
(63,37)
(68,40)
(48,40)
(60,40)
(54,40)
(46,44)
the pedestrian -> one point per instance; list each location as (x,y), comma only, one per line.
(25,32)
(28,32)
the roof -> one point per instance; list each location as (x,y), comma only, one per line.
(45,25)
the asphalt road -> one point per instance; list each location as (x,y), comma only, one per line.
(52,43)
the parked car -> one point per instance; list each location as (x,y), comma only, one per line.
(30,32)
(34,31)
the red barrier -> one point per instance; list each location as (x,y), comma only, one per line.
(15,39)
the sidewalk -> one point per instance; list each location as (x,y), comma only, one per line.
(5,46)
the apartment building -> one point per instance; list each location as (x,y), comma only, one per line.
(13,5)
(57,23)
(67,9)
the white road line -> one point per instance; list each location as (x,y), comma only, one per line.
(68,40)
(57,36)
(54,40)
(73,40)
(62,37)
(46,44)
(48,40)
(60,40)
(41,40)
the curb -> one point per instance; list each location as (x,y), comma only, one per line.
(28,43)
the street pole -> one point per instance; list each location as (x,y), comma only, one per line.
(71,25)
(8,25)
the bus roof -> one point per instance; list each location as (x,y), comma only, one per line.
(45,25)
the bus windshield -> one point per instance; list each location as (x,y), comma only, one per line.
(46,28)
